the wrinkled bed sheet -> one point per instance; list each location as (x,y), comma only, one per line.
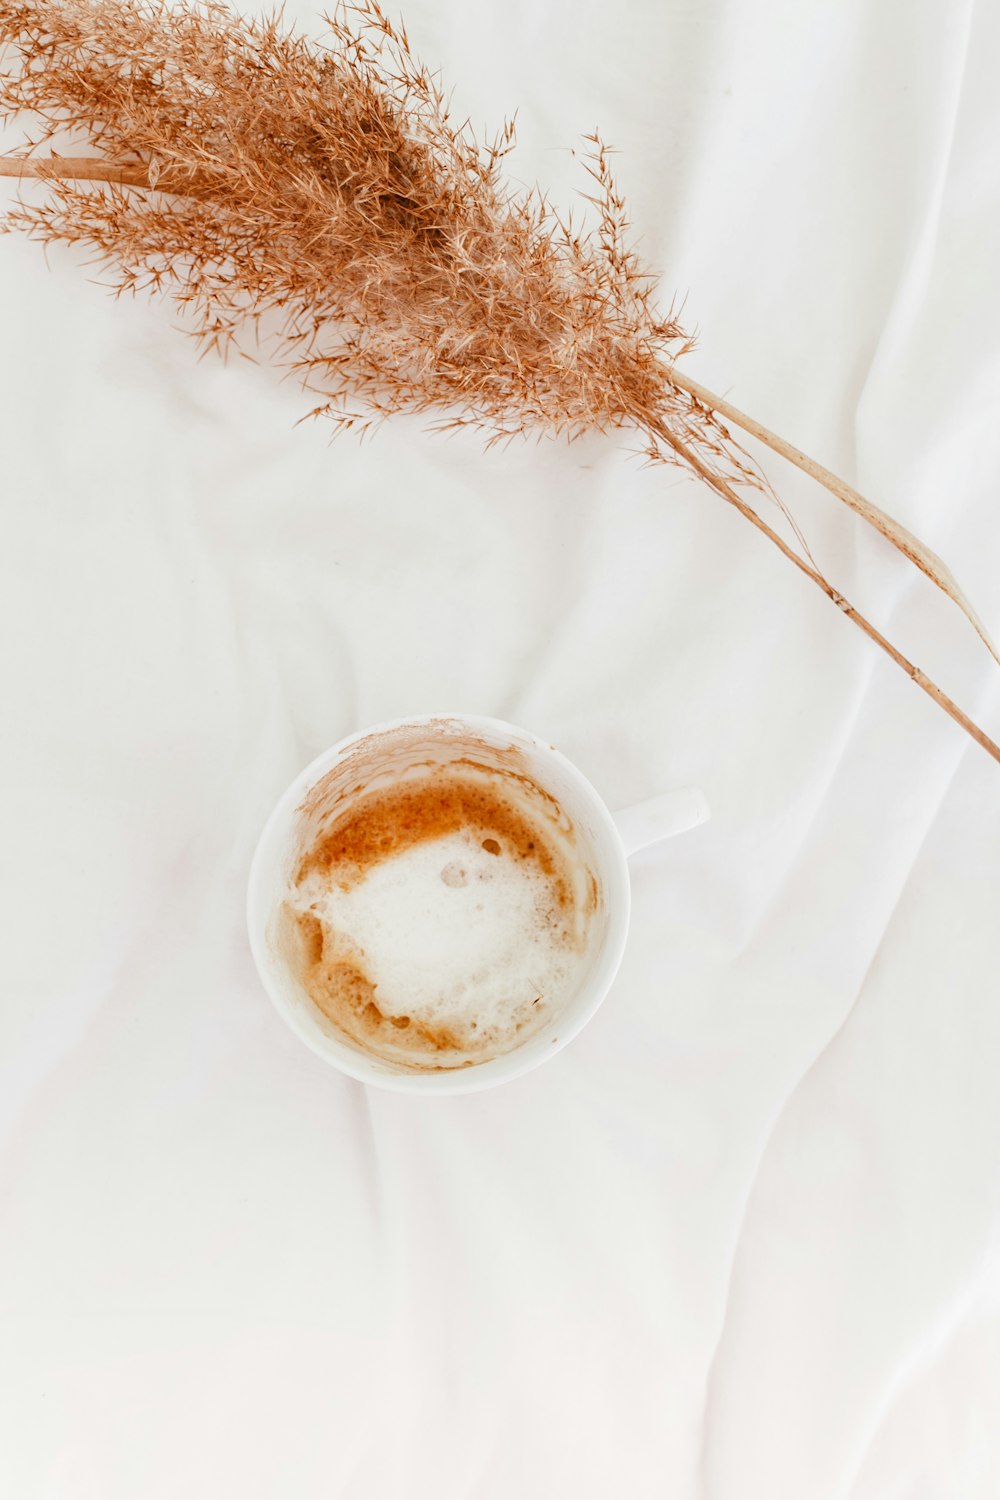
(740,1239)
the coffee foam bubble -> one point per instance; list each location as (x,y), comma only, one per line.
(443,922)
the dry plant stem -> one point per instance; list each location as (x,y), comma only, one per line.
(93,169)
(770,439)
(322,186)
(195,185)
(80,168)
(727,493)
(200,185)
(912,549)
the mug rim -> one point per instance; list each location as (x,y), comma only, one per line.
(508,1065)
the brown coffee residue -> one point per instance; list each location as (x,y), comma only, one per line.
(375,826)
(394,790)
(339,987)
(386,823)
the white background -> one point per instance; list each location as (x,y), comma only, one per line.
(740,1239)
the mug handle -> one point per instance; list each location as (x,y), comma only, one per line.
(660,818)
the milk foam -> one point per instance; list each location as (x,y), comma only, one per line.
(451,934)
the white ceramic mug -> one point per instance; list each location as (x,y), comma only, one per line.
(609,838)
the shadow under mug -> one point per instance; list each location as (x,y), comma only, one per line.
(607,838)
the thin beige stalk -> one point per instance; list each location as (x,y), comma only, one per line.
(911,547)
(727,493)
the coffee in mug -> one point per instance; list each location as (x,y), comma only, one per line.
(439,904)
(442,907)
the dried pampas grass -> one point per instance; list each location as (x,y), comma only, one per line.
(249,172)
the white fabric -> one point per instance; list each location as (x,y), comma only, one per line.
(740,1239)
